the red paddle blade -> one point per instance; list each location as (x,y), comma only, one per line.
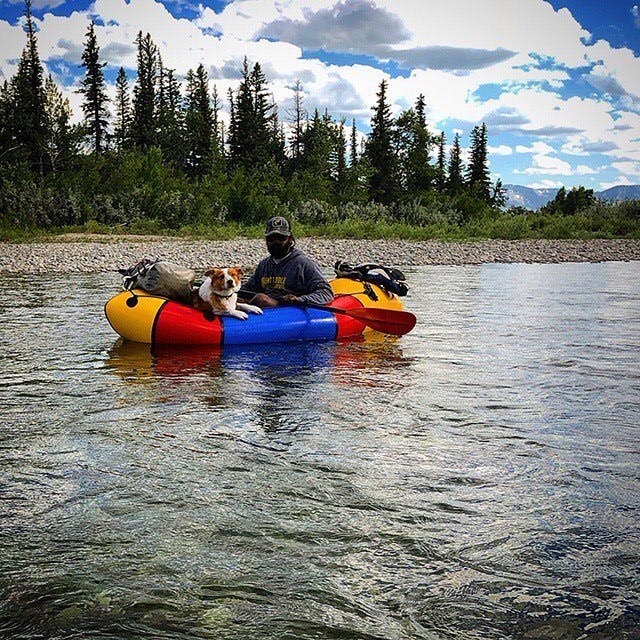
(395,323)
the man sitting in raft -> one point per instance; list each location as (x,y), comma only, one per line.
(288,275)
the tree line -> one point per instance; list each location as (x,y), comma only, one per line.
(163,153)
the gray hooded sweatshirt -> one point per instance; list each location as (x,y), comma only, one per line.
(296,273)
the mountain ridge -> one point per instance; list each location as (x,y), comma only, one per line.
(529,198)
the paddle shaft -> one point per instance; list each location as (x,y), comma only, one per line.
(389,321)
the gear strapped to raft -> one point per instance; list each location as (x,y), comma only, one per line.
(388,278)
(159,277)
(162,278)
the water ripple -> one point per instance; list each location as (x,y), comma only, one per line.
(475,479)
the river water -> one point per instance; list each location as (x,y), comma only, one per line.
(477,478)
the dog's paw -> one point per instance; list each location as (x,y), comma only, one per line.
(253,309)
(241,315)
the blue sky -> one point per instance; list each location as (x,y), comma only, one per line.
(557,82)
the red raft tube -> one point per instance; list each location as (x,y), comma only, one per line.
(142,317)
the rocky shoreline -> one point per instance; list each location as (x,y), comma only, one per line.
(104,254)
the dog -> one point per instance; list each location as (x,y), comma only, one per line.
(220,293)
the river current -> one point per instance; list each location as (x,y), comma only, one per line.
(478,478)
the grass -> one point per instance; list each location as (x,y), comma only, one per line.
(504,226)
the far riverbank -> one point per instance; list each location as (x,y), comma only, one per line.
(94,254)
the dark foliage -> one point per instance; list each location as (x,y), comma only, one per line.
(169,163)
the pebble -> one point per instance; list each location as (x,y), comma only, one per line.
(108,254)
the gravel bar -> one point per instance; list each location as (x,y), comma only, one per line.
(104,254)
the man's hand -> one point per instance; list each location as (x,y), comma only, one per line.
(289,298)
(263,300)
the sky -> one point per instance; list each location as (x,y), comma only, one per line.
(557,82)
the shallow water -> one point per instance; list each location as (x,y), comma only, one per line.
(477,478)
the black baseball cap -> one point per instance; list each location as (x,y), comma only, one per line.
(278,225)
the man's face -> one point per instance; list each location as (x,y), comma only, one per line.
(278,245)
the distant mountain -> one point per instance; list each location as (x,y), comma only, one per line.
(627,192)
(519,196)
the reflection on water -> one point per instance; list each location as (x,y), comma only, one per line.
(476,478)
(139,363)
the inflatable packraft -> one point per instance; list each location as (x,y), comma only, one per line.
(140,316)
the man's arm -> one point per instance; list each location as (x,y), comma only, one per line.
(318,290)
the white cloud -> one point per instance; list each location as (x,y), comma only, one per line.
(620,65)
(627,167)
(546,165)
(501,150)
(537,147)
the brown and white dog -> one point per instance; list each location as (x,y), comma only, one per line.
(220,290)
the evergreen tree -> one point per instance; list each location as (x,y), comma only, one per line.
(498,195)
(7,138)
(93,88)
(353,144)
(59,142)
(278,141)
(455,182)
(419,172)
(123,115)
(27,96)
(218,130)
(170,117)
(414,149)
(569,203)
(144,93)
(441,169)
(341,176)
(254,137)
(316,161)
(354,181)
(299,117)
(383,184)
(198,123)
(478,179)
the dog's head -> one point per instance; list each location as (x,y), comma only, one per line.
(226,279)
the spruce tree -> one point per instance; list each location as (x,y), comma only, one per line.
(144,94)
(7,133)
(198,124)
(498,195)
(341,177)
(419,172)
(28,100)
(93,88)
(59,142)
(123,115)
(383,184)
(254,137)
(353,144)
(266,128)
(317,160)
(478,179)
(170,118)
(218,130)
(299,117)
(441,168)
(455,182)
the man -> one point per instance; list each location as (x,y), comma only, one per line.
(288,275)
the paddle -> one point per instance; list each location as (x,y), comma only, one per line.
(391,321)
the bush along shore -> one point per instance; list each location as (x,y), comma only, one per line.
(109,254)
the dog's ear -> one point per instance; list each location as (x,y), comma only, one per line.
(239,272)
(211,271)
